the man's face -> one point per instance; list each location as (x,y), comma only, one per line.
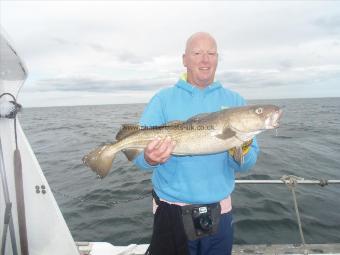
(200,59)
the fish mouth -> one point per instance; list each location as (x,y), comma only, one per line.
(272,122)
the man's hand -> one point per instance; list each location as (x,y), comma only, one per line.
(158,150)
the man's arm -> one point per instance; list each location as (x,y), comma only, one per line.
(157,151)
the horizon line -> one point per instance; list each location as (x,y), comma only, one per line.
(248,100)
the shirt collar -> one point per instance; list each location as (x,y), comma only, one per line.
(183,84)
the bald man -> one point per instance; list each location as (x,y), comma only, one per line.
(192,201)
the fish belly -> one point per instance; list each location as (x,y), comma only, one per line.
(200,145)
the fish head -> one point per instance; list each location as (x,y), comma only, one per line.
(255,118)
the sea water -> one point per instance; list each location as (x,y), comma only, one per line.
(117,208)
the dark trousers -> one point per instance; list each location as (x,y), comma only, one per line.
(168,237)
(219,244)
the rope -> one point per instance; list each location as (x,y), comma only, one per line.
(322,182)
(11,113)
(8,217)
(291,181)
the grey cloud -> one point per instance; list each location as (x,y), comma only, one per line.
(61,41)
(248,79)
(120,55)
(244,78)
(98,47)
(133,58)
(265,79)
(330,23)
(101,86)
(285,64)
(93,46)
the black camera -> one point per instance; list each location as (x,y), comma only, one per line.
(202,219)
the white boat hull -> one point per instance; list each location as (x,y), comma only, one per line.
(47,232)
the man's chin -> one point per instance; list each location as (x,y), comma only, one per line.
(206,80)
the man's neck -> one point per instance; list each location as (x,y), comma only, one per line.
(200,85)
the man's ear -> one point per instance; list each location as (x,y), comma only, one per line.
(184,60)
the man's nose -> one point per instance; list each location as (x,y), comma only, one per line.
(205,57)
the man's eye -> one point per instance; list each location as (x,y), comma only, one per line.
(212,53)
(197,53)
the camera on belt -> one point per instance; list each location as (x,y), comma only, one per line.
(202,219)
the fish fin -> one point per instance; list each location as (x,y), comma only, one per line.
(174,123)
(126,130)
(131,154)
(100,159)
(238,155)
(227,133)
(198,117)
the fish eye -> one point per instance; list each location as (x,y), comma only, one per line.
(259,110)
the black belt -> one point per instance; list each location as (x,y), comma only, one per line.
(199,220)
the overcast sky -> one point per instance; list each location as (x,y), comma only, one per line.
(91,52)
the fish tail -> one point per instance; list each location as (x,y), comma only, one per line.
(100,160)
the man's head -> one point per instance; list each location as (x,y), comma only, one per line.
(200,59)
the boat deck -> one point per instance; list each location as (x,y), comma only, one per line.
(101,248)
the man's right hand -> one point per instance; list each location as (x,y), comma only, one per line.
(158,150)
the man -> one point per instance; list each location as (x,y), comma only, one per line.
(203,179)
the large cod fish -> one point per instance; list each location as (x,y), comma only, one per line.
(205,133)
